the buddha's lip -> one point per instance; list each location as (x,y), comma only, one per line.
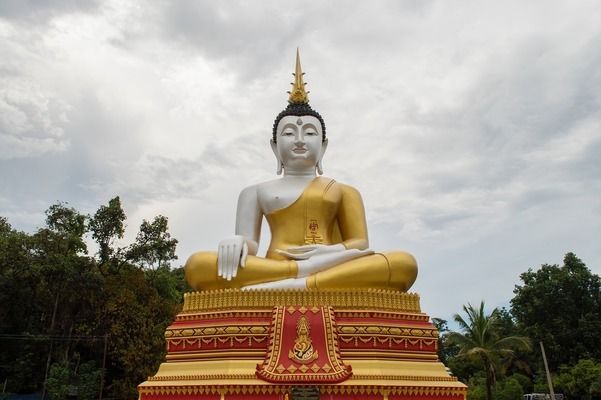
(299,150)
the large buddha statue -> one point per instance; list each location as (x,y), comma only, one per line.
(318,229)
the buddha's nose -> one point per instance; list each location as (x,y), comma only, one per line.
(299,140)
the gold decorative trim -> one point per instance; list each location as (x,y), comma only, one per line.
(229,314)
(349,354)
(199,390)
(398,390)
(389,340)
(219,377)
(459,391)
(359,329)
(394,315)
(215,355)
(405,378)
(214,341)
(357,299)
(216,377)
(257,329)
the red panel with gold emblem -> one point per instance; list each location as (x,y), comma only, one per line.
(303,347)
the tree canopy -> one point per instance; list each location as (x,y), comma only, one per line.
(557,305)
(561,306)
(480,339)
(59,303)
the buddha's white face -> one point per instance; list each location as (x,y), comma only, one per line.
(299,143)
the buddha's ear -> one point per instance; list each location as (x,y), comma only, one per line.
(324,146)
(274,148)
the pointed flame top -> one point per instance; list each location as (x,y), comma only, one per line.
(298,94)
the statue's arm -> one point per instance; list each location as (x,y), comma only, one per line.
(232,251)
(248,218)
(351,219)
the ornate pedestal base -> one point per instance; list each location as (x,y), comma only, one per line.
(342,344)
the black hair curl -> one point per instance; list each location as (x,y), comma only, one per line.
(300,110)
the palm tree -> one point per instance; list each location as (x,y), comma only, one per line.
(480,339)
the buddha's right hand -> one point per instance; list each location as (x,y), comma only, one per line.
(310,250)
(231,254)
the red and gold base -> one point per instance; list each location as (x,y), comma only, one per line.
(349,344)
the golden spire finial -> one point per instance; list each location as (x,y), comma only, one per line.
(298,95)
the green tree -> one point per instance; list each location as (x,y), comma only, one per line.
(154,247)
(582,381)
(68,223)
(58,381)
(476,388)
(135,317)
(461,367)
(520,362)
(561,306)
(446,350)
(88,381)
(480,340)
(108,225)
(50,287)
(509,389)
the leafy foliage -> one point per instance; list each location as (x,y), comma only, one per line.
(107,225)
(154,246)
(582,381)
(58,381)
(58,302)
(481,340)
(561,306)
(558,305)
(88,381)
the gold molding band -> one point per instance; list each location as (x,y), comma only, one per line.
(358,299)
(350,354)
(219,377)
(325,389)
(216,355)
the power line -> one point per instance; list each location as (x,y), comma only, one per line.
(9,336)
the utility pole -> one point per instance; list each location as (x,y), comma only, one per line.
(542,349)
(44,391)
(106,336)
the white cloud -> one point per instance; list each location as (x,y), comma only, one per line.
(31,121)
(471,129)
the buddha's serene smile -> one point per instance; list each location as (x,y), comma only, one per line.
(318,228)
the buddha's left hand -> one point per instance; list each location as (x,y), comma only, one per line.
(310,250)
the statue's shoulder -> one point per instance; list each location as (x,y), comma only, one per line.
(249,192)
(346,192)
(338,185)
(266,185)
(265,190)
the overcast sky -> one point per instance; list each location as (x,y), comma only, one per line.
(472,128)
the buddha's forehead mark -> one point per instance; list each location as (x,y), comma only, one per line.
(299,121)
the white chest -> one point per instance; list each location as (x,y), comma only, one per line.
(281,193)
